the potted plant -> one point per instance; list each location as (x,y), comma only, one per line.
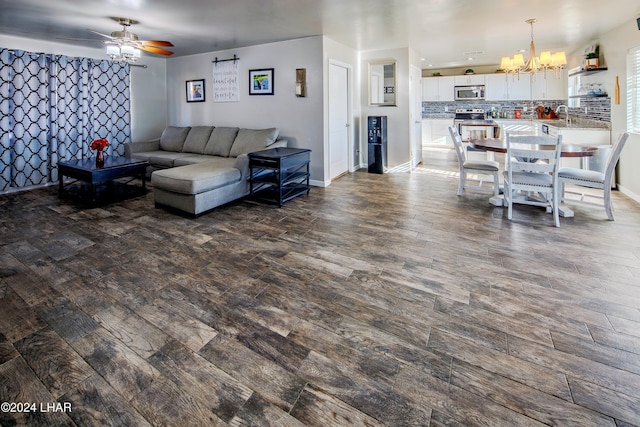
(592,60)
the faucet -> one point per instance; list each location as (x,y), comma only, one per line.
(566,111)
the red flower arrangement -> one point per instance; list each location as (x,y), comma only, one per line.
(99,144)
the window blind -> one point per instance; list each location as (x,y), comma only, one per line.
(633,90)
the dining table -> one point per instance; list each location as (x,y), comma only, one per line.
(499,145)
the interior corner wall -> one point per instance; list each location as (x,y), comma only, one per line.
(299,120)
(614,47)
(398,146)
(148,85)
(148,99)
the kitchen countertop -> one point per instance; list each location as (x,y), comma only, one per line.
(479,123)
(574,123)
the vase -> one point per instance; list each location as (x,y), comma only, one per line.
(99,158)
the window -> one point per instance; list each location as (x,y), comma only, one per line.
(51,107)
(633,90)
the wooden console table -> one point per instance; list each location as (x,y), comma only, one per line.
(278,175)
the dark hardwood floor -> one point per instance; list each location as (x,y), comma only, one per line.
(380,300)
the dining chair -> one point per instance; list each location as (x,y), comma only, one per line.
(532,165)
(483,167)
(594,179)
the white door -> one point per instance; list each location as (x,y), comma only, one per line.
(338,120)
(415,115)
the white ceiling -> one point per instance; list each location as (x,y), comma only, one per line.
(443,32)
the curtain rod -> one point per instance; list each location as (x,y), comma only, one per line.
(235,58)
(73,58)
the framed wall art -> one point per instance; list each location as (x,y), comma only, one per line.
(261,82)
(195,90)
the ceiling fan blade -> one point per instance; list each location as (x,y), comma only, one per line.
(157,50)
(80,40)
(156,43)
(103,35)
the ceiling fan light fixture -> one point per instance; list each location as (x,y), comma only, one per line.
(123,53)
(127,50)
(124,46)
(113,51)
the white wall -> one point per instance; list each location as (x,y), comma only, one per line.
(614,47)
(148,85)
(398,147)
(300,120)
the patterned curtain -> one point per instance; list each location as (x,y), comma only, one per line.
(52,107)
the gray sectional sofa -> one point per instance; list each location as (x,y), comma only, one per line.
(195,169)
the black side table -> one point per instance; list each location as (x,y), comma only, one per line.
(278,175)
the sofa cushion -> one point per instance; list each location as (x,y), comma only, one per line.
(197,139)
(220,141)
(249,140)
(194,179)
(172,138)
(215,161)
(164,159)
(159,158)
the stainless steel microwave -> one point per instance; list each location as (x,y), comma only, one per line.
(465,93)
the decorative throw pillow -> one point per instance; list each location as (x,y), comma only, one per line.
(220,141)
(249,140)
(172,138)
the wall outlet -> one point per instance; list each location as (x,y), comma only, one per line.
(585,110)
(446,108)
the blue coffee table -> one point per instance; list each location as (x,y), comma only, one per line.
(100,180)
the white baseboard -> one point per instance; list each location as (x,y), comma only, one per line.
(316,183)
(629,193)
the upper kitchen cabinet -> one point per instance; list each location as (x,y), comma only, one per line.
(519,87)
(496,87)
(549,85)
(437,88)
(469,80)
(501,87)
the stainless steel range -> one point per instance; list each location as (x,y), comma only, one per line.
(472,123)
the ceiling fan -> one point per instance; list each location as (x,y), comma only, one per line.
(125,46)
(126,38)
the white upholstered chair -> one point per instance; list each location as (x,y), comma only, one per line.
(483,167)
(531,175)
(594,179)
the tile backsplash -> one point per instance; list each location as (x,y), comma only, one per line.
(596,108)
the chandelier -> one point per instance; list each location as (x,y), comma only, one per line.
(546,61)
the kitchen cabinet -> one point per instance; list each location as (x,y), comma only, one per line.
(501,87)
(519,87)
(496,87)
(553,86)
(469,80)
(437,88)
(436,131)
(582,136)
(517,127)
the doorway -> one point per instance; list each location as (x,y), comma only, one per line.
(339,119)
(415,115)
